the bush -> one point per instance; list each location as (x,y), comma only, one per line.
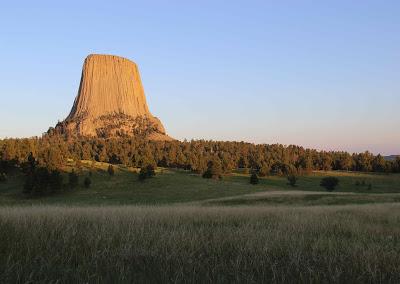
(3,177)
(292,180)
(329,183)
(110,170)
(38,181)
(146,172)
(55,180)
(41,180)
(29,183)
(254,179)
(142,175)
(87,182)
(73,179)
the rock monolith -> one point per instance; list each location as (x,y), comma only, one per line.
(111,102)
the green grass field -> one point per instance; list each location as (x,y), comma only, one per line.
(178,186)
(178,227)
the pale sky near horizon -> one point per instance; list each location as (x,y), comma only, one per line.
(321,74)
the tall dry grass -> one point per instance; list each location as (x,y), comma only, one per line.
(353,244)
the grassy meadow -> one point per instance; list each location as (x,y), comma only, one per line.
(114,244)
(178,186)
(178,227)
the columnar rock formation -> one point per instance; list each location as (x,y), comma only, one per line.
(111,102)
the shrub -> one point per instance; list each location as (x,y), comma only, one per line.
(110,170)
(55,180)
(369,186)
(329,183)
(292,180)
(146,172)
(41,180)
(150,171)
(3,177)
(357,183)
(38,181)
(142,175)
(73,179)
(29,183)
(87,182)
(254,178)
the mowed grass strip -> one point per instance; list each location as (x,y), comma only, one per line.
(335,244)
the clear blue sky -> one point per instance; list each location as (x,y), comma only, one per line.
(322,74)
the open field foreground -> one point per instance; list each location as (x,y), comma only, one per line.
(336,244)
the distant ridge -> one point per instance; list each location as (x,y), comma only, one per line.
(391,157)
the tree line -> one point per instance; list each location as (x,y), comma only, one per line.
(52,152)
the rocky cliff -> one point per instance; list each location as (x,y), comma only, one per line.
(111,102)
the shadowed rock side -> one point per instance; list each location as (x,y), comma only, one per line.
(111,102)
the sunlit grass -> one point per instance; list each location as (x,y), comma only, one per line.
(336,244)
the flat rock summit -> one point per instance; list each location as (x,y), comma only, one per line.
(111,102)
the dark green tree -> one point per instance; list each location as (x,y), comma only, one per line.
(87,182)
(254,178)
(379,164)
(329,183)
(146,172)
(29,183)
(110,170)
(3,177)
(41,180)
(292,180)
(214,169)
(55,180)
(73,179)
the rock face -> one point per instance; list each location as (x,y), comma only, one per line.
(111,102)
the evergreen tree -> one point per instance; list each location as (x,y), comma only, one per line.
(73,179)
(29,183)
(378,164)
(329,183)
(396,165)
(214,169)
(55,180)
(254,178)
(41,180)
(292,180)
(87,182)
(110,170)
(146,172)
(3,177)
(264,170)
